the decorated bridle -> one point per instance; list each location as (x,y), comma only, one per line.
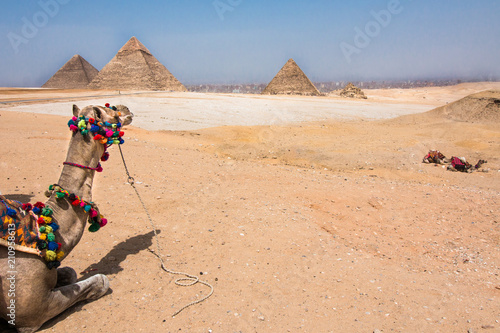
(104,132)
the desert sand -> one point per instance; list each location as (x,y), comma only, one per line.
(306,214)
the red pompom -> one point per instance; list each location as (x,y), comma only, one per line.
(39,205)
(91,120)
(76,203)
(98,137)
(106,105)
(27,207)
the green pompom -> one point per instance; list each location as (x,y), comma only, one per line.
(94,227)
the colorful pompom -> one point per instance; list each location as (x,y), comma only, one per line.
(50,255)
(94,227)
(53,264)
(41,244)
(103,222)
(60,255)
(11,212)
(27,207)
(54,227)
(52,246)
(47,211)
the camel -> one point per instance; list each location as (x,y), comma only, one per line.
(435,156)
(41,293)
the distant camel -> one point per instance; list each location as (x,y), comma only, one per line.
(42,291)
(435,156)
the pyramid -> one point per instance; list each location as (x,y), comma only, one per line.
(352,91)
(75,74)
(291,80)
(135,68)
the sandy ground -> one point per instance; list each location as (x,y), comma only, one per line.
(318,221)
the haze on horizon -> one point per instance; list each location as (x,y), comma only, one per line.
(243,41)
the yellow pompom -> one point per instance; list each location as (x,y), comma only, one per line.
(60,255)
(47,219)
(48,229)
(43,236)
(50,256)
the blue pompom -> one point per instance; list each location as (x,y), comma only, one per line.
(94,128)
(54,226)
(11,212)
(36,210)
(53,246)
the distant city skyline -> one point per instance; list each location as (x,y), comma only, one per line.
(243,41)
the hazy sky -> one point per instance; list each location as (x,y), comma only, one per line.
(245,41)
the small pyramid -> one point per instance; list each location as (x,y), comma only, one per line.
(352,91)
(74,74)
(135,68)
(291,80)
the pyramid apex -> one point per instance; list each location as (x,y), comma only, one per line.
(133,44)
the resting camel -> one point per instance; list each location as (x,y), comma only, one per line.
(42,291)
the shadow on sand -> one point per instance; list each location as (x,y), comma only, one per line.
(22,198)
(109,264)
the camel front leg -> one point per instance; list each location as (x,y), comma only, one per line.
(62,298)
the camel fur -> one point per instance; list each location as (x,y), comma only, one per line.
(42,293)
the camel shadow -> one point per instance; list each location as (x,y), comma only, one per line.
(109,264)
(22,198)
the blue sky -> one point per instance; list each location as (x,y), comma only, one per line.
(248,41)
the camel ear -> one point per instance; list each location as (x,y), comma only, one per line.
(76,110)
(97,113)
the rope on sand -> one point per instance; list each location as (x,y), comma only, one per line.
(188,280)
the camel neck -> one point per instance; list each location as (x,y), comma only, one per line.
(72,219)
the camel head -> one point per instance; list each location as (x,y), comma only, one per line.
(116,114)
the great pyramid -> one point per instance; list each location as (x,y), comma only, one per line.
(135,68)
(74,74)
(291,80)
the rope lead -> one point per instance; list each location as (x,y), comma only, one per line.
(188,277)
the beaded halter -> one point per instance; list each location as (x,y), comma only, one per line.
(104,132)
